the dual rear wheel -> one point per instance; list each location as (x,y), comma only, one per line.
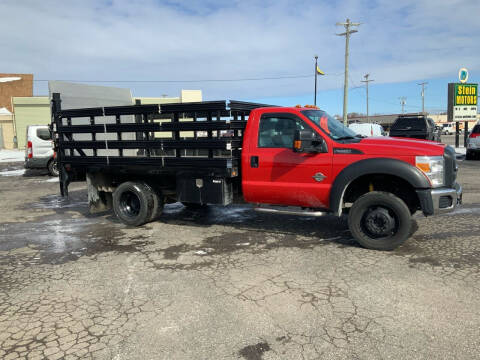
(136,203)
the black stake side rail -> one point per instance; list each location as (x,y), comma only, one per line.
(166,144)
(152,127)
(173,162)
(209,116)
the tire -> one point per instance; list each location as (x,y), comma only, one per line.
(380,221)
(52,168)
(158,203)
(133,203)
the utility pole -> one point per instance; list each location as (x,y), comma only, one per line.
(366,81)
(315,97)
(347,33)
(423,95)
(403,101)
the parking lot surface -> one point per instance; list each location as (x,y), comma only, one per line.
(229,283)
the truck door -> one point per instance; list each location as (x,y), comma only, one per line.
(275,174)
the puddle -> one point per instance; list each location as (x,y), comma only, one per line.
(254,352)
(75,199)
(61,238)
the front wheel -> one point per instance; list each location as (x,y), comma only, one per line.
(379,221)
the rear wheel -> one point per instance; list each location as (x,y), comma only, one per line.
(52,168)
(380,221)
(158,203)
(133,203)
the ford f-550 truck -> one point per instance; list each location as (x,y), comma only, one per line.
(282,159)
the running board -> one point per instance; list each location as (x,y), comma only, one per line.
(290,212)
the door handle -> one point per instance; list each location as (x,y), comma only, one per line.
(254,161)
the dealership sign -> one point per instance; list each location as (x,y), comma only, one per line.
(462,101)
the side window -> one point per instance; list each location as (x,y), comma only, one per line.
(278,132)
(44,134)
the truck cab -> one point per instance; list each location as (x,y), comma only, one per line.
(306,158)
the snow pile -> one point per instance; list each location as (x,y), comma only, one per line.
(12,172)
(12,155)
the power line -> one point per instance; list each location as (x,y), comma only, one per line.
(188,81)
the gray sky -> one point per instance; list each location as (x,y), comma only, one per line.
(398,41)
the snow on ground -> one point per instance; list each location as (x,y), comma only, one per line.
(12,172)
(12,155)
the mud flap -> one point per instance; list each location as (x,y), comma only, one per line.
(64,180)
(98,201)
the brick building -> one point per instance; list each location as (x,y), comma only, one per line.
(13,85)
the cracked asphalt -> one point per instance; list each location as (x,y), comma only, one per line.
(229,283)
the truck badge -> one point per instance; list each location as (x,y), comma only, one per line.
(319,176)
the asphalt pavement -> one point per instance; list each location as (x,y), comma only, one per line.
(229,283)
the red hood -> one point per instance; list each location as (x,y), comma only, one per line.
(397,146)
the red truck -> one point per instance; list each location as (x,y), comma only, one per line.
(290,160)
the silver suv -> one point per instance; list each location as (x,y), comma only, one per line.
(473,143)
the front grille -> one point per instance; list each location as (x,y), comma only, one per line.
(445,202)
(450,166)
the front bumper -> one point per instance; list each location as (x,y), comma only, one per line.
(440,200)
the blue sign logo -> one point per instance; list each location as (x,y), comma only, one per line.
(463,75)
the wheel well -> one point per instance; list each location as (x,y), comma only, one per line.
(382,182)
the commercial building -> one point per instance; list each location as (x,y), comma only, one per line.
(35,110)
(6,129)
(11,85)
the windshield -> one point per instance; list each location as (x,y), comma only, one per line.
(329,125)
(409,124)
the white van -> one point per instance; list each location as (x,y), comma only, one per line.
(367,129)
(448,128)
(39,150)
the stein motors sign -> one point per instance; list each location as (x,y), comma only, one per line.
(462,100)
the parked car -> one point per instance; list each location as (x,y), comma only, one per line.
(284,160)
(448,128)
(415,126)
(367,129)
(39,152)
(473,143)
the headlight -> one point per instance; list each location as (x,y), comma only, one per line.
(433,167)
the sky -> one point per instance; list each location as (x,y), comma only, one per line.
(248,50)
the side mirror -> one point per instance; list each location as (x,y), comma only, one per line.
(307,141)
